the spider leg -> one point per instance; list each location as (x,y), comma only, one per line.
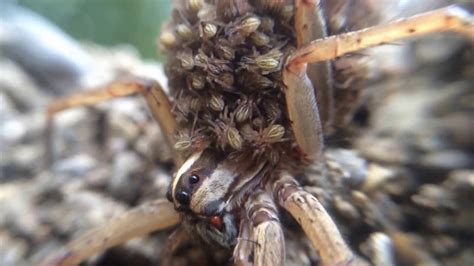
(310,25)
(157,100)
(315,221)
(302,104)
(303,112)
(144,219)
(451,18)
(301,101)
(266,231)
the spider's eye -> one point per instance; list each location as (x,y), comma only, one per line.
(182,197)
(193,179)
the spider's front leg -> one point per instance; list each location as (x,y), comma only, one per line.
(315,221)
(452,18)
(302,106)
(140,221)
(310,24)
(301,102)
(304,113)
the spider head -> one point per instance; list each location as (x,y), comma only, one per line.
(192,188)
(204,188)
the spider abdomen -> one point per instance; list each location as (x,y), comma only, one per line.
(224,64)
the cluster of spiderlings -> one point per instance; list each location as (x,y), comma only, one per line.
(224,62)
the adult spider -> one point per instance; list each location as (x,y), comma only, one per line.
(227,61)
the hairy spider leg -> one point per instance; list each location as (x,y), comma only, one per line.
(310,25)
(157,100)
(315,221)
(139,221)
(304,112)
(452,18)
(302,106)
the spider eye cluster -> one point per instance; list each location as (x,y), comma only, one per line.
(183,194)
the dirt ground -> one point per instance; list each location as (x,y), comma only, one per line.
(399,182)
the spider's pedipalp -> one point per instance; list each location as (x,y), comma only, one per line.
(266,231)
(244,248)
(315,221)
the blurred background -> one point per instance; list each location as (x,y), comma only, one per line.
(53,48)
(106,22)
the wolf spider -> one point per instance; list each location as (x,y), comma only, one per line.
(229,199)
